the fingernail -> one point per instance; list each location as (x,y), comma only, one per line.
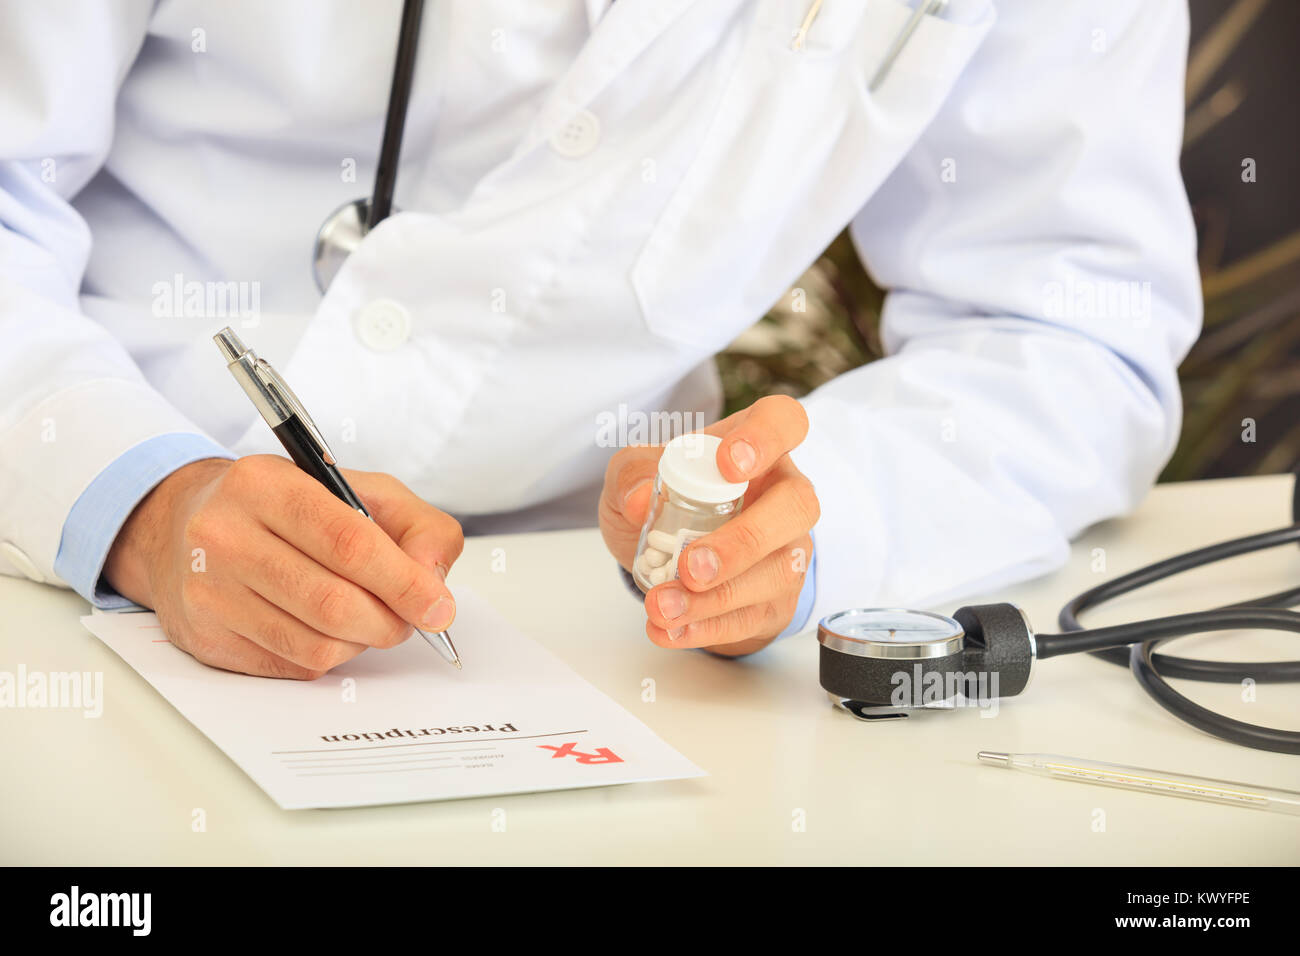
(675,633)
(703,564)
(439,615)
(743,456)
(634,489)
(440,570)
(672,603)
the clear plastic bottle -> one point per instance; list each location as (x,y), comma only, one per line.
(691,498)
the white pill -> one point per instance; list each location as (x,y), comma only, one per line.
(643,567)
(661,541)
(654,558)
(660,575)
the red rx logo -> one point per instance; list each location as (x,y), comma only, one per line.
(602,754)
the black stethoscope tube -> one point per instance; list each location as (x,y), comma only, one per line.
(381,202)
(1133,644)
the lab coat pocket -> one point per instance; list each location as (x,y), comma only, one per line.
(906,51)
(795,143)
(692,275)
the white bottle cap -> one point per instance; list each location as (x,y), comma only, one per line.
(690,467)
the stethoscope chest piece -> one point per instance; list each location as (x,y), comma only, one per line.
(336,239)
(879,663)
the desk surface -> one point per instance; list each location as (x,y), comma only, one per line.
(122,789)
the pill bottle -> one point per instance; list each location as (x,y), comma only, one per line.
(691,498)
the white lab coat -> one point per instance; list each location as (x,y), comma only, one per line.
(584,232)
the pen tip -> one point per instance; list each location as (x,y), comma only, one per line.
(457,663)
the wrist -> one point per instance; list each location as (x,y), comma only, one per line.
(143,538)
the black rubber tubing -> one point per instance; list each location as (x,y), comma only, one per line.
(1133,644)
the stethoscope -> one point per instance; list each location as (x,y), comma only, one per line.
(346,226)
(880,663)
(344,229)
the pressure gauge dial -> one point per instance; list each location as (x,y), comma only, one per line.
(891,633)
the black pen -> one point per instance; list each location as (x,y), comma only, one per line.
(280,408)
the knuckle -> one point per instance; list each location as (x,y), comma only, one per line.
(196,594)
(456,536)
(246,474)
(386,481)
(808,504)
(753,620)
(331,605)
(290,578)
(290,670)
(749,538)
(350,543)
(417,593)
(748,620)
(276,638)
(787,575)
(200,528)
(707,630)
(321,655)
(725,594)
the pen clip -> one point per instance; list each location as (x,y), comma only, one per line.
(801,34)
(277,385)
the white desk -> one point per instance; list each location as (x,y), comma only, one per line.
(121,789)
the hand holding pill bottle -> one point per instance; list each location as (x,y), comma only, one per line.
(740,584)
(691,498)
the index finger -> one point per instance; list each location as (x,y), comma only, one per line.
(327,530)
(756,439)
(783,513)
(428,534)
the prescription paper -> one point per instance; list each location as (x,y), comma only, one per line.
(402,725)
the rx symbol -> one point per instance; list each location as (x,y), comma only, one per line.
(602,754)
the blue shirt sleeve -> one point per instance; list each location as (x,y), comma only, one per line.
(101,510)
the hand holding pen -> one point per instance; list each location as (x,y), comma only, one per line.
(254,566)
(279,407)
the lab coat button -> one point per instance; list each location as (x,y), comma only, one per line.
(383,325)
(578,136)
(20,561)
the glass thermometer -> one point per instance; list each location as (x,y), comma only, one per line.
(1151,781)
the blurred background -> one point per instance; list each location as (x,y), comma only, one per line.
(1242,76)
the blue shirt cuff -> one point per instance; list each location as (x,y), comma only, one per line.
(96,517)
(803,610)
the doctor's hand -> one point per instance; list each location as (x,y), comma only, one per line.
(738,586)
(252,566)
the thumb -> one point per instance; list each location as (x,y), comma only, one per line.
(629,486)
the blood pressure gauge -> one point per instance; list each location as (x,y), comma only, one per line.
(890,662)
